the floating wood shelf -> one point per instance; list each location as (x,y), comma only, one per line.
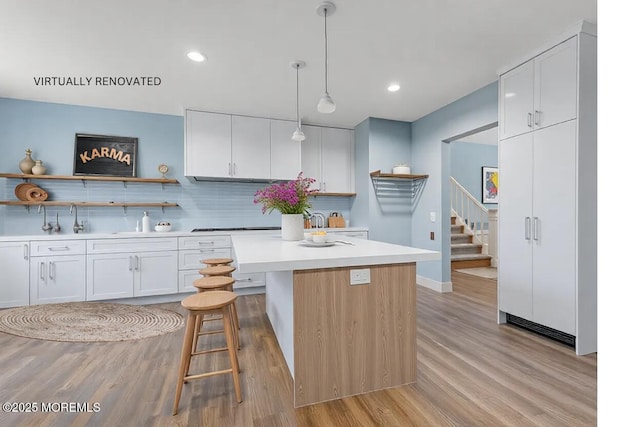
(394,186)
(89,204)
(90,178)
(85,178)
(377,174)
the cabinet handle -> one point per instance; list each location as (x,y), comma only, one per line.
(535,228)
(229,168)
(537,116)
(207,243)
(137,263)
(58,248)
(130,263)
(42,276)
(234,169)
(527,228)
(26,252)
(51,272)
(529,120)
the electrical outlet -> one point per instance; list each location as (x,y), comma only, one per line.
(361,276)
(432,215)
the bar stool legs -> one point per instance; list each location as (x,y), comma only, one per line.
(198,305)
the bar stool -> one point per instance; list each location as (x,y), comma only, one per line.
(221,270)
(197,305)
(216,283)
(216,261)
(217,270)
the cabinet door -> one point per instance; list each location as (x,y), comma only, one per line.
(285,153)
(14,274)
(250,147)
(57,279)
(515,232)
(516,101)
(109,276)
(556,83)
(156,273)
(311,155)
(554,237)
(337,160)
(207,144)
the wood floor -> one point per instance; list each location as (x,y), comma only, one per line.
(471,372)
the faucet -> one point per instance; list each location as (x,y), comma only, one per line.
(318,220)
(76,227)
(46,227)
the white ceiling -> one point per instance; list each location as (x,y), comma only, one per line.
(438,51)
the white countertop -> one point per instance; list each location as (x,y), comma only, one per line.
(264,253)
(133,234)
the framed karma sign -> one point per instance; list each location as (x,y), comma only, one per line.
(490,187)
(105,155)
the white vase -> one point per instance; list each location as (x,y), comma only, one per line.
(292,227)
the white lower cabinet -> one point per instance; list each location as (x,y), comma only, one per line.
(57,279)
(193,249)
(14,271)
(57,271)
(118,272)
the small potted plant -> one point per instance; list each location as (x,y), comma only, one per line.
(291,199)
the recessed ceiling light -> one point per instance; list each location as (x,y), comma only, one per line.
(393,87)
(196,56)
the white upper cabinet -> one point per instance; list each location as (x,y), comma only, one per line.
(250,147)
(207,148)
(327,156)
(285,152)
(541,92)
(337,160)
(225,146)
(312,155)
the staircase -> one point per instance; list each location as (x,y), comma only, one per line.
(465,253)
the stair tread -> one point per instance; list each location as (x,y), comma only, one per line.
(469,257)
(466,245)
(461,235)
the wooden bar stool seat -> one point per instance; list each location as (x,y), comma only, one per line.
(216,261)
(197,305)
(216,283)
(217,270)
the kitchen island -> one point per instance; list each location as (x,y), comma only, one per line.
(344,315)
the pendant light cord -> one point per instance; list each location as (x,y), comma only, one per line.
(297,94)
(326,85)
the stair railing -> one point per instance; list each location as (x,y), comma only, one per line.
(471,213)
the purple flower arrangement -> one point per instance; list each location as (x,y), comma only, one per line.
(290,197)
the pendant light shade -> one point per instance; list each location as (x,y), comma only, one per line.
(298,135)
(326,104)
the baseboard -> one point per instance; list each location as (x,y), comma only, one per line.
(442,287)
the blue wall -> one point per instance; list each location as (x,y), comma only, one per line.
(381,144)
(467,160)
(430,155)
(49,130)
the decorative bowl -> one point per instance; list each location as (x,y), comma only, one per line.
(401,170)
(163,227)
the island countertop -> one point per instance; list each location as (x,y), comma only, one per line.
(265,253)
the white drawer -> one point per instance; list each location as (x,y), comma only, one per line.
(204,242)
(57,247)
(109,246)
(190,258)
(248,280)
(359,234)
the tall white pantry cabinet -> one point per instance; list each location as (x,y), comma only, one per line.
(547,161)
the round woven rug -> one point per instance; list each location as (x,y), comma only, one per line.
(88,322)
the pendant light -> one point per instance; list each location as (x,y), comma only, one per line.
(298,135)
(326,104)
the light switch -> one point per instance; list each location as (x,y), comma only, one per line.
(432,216)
